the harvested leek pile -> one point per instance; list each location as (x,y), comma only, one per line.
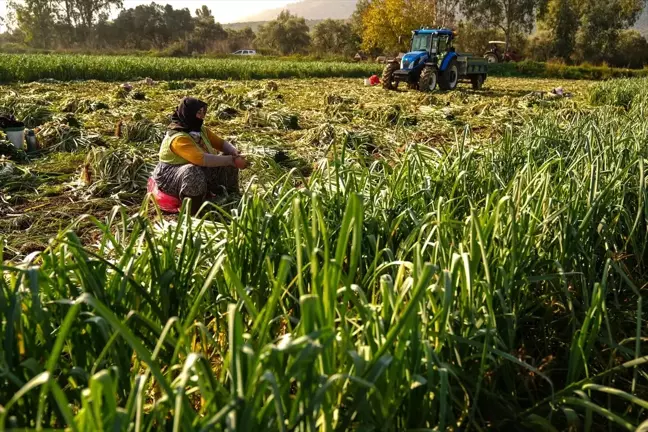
(83,106)
(14,178)
(275,119)
(180,85)
(60,136)
(144,131)
(32,110)
(120,172)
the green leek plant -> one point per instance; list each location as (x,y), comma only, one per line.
(467,288)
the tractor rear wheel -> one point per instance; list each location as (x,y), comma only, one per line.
(477,81)
(449,78)
(428,79)
(491,58)
(388,81)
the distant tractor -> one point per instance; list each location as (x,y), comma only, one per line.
(433,61)
(499,54)
(359,57)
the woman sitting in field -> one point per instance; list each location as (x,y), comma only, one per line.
(189,165)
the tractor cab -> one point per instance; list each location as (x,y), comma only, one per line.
(427,46)
(498,53)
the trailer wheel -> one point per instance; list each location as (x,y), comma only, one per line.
(449,78)
(428,79)
(477,81)
(388,81)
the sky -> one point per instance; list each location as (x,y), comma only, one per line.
(225,11)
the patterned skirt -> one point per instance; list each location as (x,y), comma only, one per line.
(192,181)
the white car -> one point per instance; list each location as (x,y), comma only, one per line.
(245,52)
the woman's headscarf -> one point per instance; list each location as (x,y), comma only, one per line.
(184,118)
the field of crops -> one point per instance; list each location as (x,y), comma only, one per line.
(35,67)
(398,261)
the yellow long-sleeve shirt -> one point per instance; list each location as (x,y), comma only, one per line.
(186,148)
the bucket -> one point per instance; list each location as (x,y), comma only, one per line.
(366,82)
(16,135)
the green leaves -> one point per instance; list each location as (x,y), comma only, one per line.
(491,285)
(30,67)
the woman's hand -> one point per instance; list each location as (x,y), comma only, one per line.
(240,162)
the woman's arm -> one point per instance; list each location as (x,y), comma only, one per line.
(210,160)
(186,149)
(221,145)
(229,149)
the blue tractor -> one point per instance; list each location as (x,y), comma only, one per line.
(433,61)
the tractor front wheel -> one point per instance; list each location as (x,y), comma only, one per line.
(449,78)
(428,79)
(388,81)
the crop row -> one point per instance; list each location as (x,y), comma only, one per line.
(34,67)
(116,68)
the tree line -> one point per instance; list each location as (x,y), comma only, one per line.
(85,24)
(570,31)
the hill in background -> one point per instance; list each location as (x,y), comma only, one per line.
(311,10)
(256,24)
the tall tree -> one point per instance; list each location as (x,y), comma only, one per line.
(358,15)
(69,14)
(588,30)
(446,12)
(334,37)
(204,13)
(631,50)
(240,39)
(560,19)
(88,12)
(600,24)
(179,22)
(288,34)
(387,24)
(143,27)
(35,20)
(77,19)
(510,16)
(207,30)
